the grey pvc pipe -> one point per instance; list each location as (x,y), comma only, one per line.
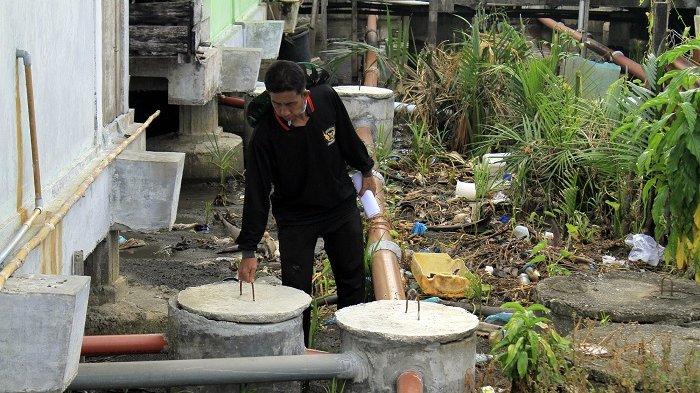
(196,372)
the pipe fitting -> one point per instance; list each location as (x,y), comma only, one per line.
(385,245)
(26,57)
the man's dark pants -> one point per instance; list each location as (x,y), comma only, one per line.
(343,242)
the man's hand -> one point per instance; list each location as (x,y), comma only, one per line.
(246,271)
(368,183)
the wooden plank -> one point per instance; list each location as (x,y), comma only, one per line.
(173,13)
(158,40)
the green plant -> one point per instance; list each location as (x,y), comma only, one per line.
(336,386)
(530,347)
(670,162)
(224,160)
(555,269)
(483,181)
(315,324)
(208,212)
(537,255)
(382,148)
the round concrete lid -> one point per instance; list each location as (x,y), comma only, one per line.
(388,320)
(368,91)
(223,302)
(623,296)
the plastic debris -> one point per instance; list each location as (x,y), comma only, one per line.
(433,299)
(184,227)
(419,228)
(440,275)
(532,273)
(487,389)
(465,190)
(121,240)
(489,269)
(132,243)
(204,228)
(520,232)
(504,219)
(507,176)
(548,235)
(500,197)
(593,350)
(644,248)
(483,358)
(611,261)
(524,279)
(330,321)
(499,319)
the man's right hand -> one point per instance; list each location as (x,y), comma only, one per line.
(246,271)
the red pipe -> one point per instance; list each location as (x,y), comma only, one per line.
(409,382)
(234,102)
(123,344)
(616,57)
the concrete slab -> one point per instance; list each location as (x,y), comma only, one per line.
(193,83)
(239,68)
(628,348)
(40,344)
(621,296)
(387,320)
(224,302)
(146,189)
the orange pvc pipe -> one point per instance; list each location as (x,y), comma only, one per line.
(234,102)
(409,382)
(123,344)
(371,66)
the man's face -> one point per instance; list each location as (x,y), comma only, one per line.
(289,105)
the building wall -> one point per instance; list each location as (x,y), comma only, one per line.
(225,12)
(64,39)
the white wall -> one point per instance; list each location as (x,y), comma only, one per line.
(64,39)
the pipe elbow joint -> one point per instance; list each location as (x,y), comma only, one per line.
(26,57)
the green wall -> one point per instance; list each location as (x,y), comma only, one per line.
(225,12)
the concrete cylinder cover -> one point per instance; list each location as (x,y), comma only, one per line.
(371,107)
(440,346)
(216,321)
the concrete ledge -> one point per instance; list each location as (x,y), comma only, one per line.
(146,189)
(199,152)
(40,343)
(193,83)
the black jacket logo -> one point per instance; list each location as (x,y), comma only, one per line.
(329,135)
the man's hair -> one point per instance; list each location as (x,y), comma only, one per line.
(284,76)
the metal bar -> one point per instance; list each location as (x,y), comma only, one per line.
(583,14)
(198,372)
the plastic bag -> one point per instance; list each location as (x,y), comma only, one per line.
(644,248)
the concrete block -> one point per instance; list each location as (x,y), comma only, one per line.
(266,35)
(146,189)
(200,151)
(193,83)
(239,68)
(40,343)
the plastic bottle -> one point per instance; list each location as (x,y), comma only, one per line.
(369,202)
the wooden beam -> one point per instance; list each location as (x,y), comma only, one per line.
(355,64)
(158,40)
(661,11)
(432,22)
(164,13)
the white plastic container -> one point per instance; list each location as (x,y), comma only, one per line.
(496,162)
(369,201)
(465,190)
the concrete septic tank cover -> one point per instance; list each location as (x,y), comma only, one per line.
(377,93)
(624,296)
(223,302)
(387,320)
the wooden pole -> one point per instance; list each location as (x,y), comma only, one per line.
(432,22)
(324,24)
(661,11)
(312,26)
(353,36)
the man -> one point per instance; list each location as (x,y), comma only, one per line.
(302,148)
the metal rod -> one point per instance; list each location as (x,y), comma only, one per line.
(583,13)
(197,372)
(252,287)
(58,215)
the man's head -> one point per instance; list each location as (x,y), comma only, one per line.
(286,83)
